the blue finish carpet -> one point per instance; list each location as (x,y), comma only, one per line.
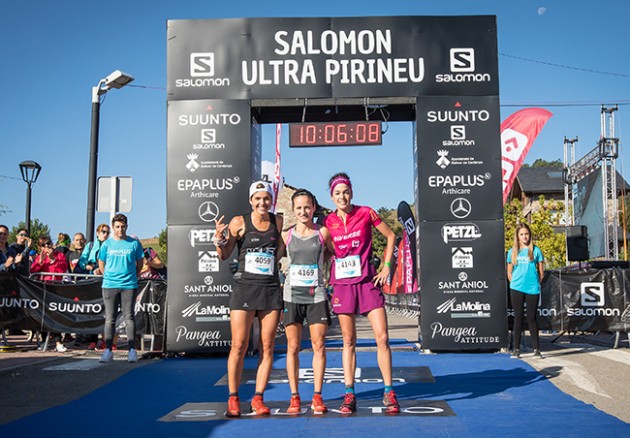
(450,394)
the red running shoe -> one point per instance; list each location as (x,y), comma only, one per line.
(317,405)
(258,406)
(294,406)
(91,346)
(349,404)
(234,407)
(391,402)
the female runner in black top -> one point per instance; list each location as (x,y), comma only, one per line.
(257,290)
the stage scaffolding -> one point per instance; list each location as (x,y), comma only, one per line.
(602,158)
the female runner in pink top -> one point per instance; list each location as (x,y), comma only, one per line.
(356,284)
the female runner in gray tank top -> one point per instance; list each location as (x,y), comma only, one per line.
(305,296)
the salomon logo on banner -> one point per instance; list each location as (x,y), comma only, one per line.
(202,72)
(592,294)
(462,60)
(202,65)
(463,68)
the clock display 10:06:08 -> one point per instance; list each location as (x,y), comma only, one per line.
(335,133)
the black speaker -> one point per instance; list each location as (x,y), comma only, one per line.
(576,231)
(577,248)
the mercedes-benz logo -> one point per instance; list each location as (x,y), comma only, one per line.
(461,208)
(208,211)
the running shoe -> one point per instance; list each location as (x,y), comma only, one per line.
(107,356)
(516,354)
(91,346)
(294,407)
(391,402)
(258,406)
(349,404)
(317,405)
(538,355)
(60,348)
(132,355)
(234,407)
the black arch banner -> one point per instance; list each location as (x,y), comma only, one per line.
(275,58)
(221,73)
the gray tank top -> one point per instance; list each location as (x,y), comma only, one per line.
(304,283)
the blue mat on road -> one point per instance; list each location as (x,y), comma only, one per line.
(458,394)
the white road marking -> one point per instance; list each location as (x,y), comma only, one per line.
(617,355)
(572,372)
(76,365)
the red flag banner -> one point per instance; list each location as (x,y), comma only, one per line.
(277,186)
(518,133)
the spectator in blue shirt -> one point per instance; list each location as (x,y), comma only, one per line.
(120,261)
(525,272)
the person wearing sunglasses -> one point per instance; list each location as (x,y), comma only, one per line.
(89,257)
(21,246)
(49,260)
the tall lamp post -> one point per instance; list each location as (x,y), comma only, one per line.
(116,79)
(30,171)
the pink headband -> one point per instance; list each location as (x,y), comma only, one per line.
(340,180)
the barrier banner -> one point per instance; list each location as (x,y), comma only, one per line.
(588,300)
(29,304)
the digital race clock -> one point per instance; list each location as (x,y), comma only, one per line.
(335,134)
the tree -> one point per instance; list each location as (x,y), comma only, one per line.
(552,244)
(162,247)
(539,162)
(379,242)
(37,229)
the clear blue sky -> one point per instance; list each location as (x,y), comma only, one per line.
(53,53)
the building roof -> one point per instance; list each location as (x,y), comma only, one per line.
(542,180)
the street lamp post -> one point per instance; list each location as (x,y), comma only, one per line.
(117,79)
(30,171)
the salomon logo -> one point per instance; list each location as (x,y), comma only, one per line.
(202,65)
(592,294)
(462,60)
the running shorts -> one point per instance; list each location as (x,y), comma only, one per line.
(357,299)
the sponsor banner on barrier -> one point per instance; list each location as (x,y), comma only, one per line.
(588,300)
(207,164)
(367,408)
(463,287)
(459,161)
(258,58)
(74,308)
